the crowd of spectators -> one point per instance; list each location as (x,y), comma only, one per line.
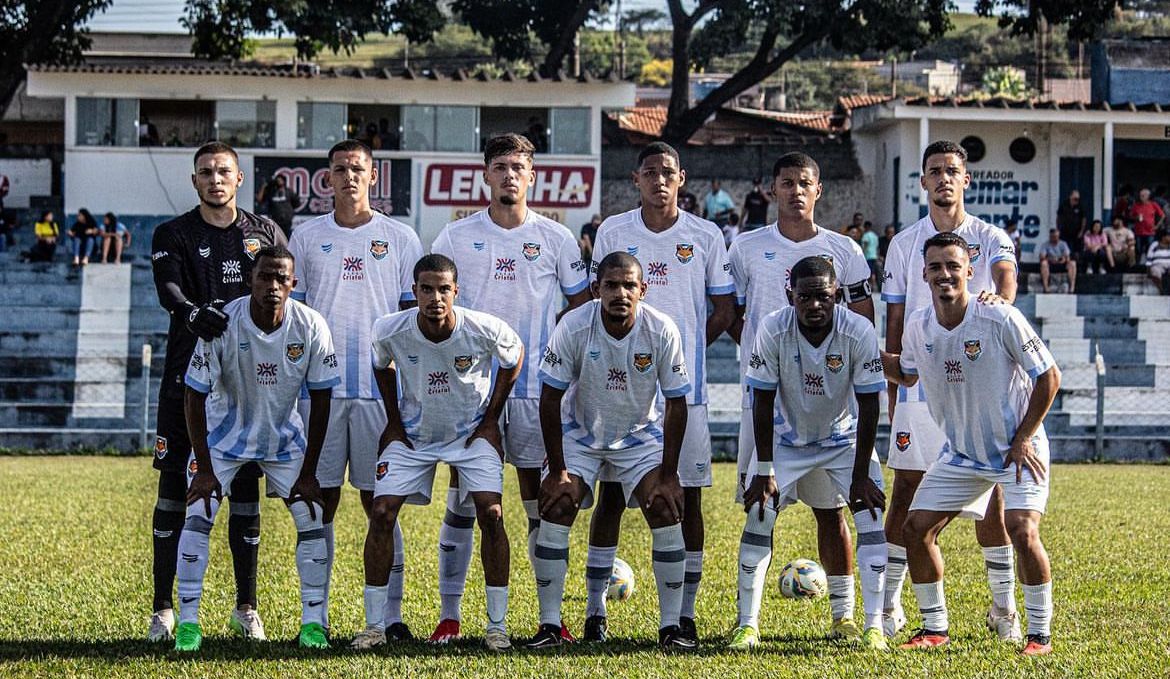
(88,239)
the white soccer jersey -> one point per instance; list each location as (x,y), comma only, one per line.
(254,379)
(816,384)
(354,277)
(444,387)
(977,378)
(517,275)
(761,262)
(682,266)
(615,382)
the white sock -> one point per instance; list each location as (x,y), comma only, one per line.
(841,596)
(755,553)
(311,561)
(393,611)
(598,569)
(375,600)
(669,560)
(895,575)
(532,511)
(456,542)
(194,546)
(1001,577)
(550,564)
(497,607)
(1038,605)
(691,580)
(872,555)
(932,603)
(328,568)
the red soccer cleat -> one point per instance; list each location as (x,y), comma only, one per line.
(567,636)
(1037,645)
(446,632)
(926,639)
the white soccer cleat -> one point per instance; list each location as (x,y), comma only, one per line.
(893,621)
(247,624)
(371,637)
(496,640)
(162,626)
(1006,627)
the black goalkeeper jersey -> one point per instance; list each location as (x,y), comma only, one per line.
(208,265)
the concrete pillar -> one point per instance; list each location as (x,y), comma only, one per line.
(923,142)
(1107,172)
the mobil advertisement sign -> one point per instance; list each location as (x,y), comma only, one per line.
(309,178)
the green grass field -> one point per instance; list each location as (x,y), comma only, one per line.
(75,595)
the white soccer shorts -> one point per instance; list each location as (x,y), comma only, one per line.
(792,465)
(966,490)
(626,466)
(523,441)
(280,474)
(694,458)
(411,473)
(915,438)
(814,489)
(355,425)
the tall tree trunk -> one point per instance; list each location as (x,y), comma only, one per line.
(555,59)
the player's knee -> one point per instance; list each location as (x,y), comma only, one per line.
(383,515)
(659,513)
(304,517)
(917,528)
(491,520)
(560,513)
(1023,531)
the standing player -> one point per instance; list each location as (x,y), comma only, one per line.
(442,356)
(761,262)
(516,265)
(202,259)
(818,355)
(916,439)
(686,263)
(354,266)
(271,348)
(617,354)
(962,354)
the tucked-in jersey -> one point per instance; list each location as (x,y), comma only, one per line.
(444,387)
(254,379)
(614,383)
(681,266)
(209,265)
(816,384)
(354,276)
(986,245)
(761,263)
(977,377)
(517,275)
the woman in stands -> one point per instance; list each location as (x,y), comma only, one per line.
(82,235)
(114,232)
(1097,251)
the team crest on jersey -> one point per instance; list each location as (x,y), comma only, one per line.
(972,349)
(834,362)
(643,362)
(251,247)
(531,251)
(462,364)
(973,251)
(383,468)
(827,257)
(685,252)
(160,447)
(205,251)
(379,249)
(902,440)
(294,351)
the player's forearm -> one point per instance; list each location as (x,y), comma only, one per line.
(1006,281)
(721,317)
(387,381)
(674,425)
(505,380)
(550,427)
(735,330)
(319,404)
(1043,393)
(867,419)
(171,296)
(895,318)
(892,367)
(195,412)
(763,405)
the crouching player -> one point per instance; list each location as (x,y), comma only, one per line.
(989,381)
(254,372)
(442,357)
(818,355)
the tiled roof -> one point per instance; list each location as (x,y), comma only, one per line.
(647,120)
(1037,104)
(852,101)
(817,120)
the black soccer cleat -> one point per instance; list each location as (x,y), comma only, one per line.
(670,638)
(548,636)
(596,629)
(399,632)
(686,627)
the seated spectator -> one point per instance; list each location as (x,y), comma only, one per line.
(1122,247)
(1158,261)
(1147,218)
(1013,232)
(47,232)
(114,232)
(1055,257)
(1097,252)
(83,237)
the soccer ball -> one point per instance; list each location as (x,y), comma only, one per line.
(621,582)
(803,579)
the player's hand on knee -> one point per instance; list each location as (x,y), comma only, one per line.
(204,486)
(206,321)
(989,298)
(1023,455)
(666,493)
(556,491)
(759,492)
(488,430)
(307,490)
(865,494)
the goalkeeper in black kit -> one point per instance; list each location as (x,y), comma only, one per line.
(202,259)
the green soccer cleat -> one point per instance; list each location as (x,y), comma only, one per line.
(312,636)
(845,629)
(744,638)
(188,637)
(872,639)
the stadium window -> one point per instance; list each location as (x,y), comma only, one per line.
(319,125)
(375,125)
(175,122)
(530,122)
(570,131)
(106,122)
(246,124)
(440,128)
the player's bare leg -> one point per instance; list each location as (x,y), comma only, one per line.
(494,551)
(901,495)
(1001,575)
(605,527)
(921,532)
(835,548)
(1036,576)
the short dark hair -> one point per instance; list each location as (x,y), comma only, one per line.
(944,146)
(347,145)
(436,263)
(507,144)
(618,260)
(275,252)
(657,148)
(944,240)
(810,267)
(214,147)
(798,160)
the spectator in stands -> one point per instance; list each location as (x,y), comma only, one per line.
(588,236)
(277,200)
(83,237)
(47,233)
(718,205)
(116,234)
(1010,228)
(858,221)
(1147,218)
(1121,245)
(869,247)
(884,242)
(688,202)
(1160,198)
(1097,251)
(731,229)
(1158,261)
(755,207)
(1123,202)
(1070,219)
(1055,257)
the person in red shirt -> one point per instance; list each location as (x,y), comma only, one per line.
(1147,217)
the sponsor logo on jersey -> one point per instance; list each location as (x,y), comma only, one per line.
(330,361)
(685,252)
(266,373)
(769,256)
(973,251)
(205,251)
(632,250)
(462,364)
(834,362)
(199,362)
(594,354)
(643,362)
(531,251)
(294,351)
(616,380)
(656,273)
(902,440)
(579,265)
(873,366)
(380,472)
(352,269)
(972,349)
(438,382)
(1033,345)
(160,447)
(680,368)
(954,371)
(232,272)
(505,269)
(159,255)
(478,245)
(327,247)
(756,361)
(245,346)
(251,247)
(814,384)
(550,357)
(379,249)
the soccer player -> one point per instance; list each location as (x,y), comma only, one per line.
(271,347)
(519,267)
(616,354)
(202,259)
(686,265)
(761,262)
(915,438)
(818,356)
(442,356)
(354,266)
(989,381)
